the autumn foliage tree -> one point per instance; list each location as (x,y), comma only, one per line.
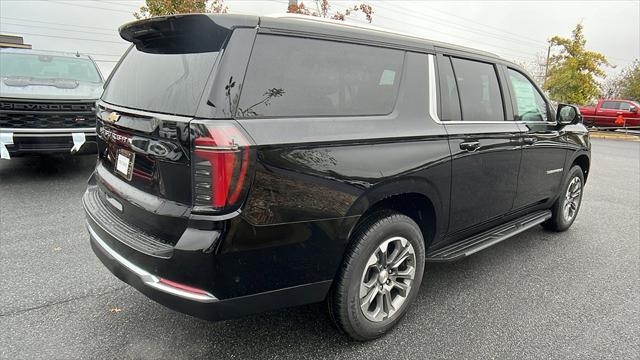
(323,9)
(574,70)
(170,7)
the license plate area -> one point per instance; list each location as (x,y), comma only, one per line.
(124,163)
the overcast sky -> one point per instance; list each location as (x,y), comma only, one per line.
(516,30)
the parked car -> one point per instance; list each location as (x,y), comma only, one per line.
(611,113)
(252,163)
(47,102)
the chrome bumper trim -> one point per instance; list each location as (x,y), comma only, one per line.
(49,132)
(147,278)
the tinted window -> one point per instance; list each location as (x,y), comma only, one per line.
(479,91)
(16,65)
(530,105)
(304,77)
(450,102)
(166,83)
(625,106)
(612,105)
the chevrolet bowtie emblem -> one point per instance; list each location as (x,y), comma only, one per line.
(113,117)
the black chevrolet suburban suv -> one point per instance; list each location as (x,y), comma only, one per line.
(251,163)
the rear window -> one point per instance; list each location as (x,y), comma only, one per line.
(160,82)
(290,76)
(15,65)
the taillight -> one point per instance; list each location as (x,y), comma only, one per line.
(221,158)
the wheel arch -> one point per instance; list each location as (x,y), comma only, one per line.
(416,198)
(582,160)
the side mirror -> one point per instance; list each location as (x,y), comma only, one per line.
(568,114)
(633,109)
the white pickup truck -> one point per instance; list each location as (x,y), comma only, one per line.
(47,102)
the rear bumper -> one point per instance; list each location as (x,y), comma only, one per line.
(192,278)
(142,275)
(204,306)
(46,141)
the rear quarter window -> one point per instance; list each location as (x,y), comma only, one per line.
(290,76)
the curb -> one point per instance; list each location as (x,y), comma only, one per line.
(613,136)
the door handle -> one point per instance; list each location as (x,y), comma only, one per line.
(470,145)
(529,140)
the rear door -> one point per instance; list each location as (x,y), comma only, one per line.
(484,145)
(544,146)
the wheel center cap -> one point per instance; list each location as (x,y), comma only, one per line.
(383,276)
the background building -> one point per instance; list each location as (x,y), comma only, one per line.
(12,41)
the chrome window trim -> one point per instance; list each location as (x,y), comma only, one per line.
(433,104)
(433,96)
(146,277)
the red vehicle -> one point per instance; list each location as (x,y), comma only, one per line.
(611,113)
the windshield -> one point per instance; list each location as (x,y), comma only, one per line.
(14,65)
(159,82)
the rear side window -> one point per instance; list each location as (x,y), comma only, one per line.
(160,82)
(479,90)
(449,91)
(290,76)
(611,105)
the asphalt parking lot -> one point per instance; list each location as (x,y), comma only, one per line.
(538,295)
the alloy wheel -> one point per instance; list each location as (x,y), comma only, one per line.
(387,279)
(572,199)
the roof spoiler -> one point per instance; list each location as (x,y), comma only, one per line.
(181,34)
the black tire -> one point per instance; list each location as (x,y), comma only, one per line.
(344,300)
(559,220)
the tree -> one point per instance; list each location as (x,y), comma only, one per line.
(534,67)
(611,87)
(170,7)
(630,82)
(573,70)
(323,9)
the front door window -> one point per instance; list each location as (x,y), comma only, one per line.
(530,105)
